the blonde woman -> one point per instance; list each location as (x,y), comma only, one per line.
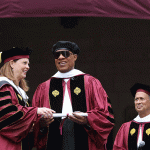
(16,117)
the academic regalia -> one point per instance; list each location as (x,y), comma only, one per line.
(98,107)
(132,133)
(16,119)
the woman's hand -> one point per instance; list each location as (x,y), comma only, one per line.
(45,112)
(47,116)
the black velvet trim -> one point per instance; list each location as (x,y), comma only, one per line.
(21,101)
(146,136)
(5,102)
(57,100)
(56,104)
(78,99)
(112,120)
(7,110)
(132,137)
(11,119)
(110,110)
(79,104)
(108,100)
(5,93)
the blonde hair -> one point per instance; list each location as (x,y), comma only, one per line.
(6,71)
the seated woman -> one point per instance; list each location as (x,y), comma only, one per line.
(16,117)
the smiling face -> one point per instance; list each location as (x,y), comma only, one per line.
(65,64)
(142,104)
(20,68)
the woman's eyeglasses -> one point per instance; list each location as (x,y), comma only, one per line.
(66,54)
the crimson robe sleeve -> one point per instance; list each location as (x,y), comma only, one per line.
(100,114)
(121,140)
(41,99)
(15,119)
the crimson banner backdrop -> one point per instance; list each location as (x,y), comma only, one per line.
(139,9)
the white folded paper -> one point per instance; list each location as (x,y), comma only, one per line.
(56,115)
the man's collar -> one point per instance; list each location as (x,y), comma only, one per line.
(69,74)
(144,119)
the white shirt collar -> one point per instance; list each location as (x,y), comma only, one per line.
(144,119)
(69,74)
(20,90)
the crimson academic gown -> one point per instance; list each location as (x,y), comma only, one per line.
(100,118)
(128,134)
(121,140)
(15,120)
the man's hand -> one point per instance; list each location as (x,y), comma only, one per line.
(78,119)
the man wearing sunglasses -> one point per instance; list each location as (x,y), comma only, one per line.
(87,114)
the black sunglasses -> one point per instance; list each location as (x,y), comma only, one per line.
(64,53)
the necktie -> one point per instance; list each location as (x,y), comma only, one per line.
(68,125)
